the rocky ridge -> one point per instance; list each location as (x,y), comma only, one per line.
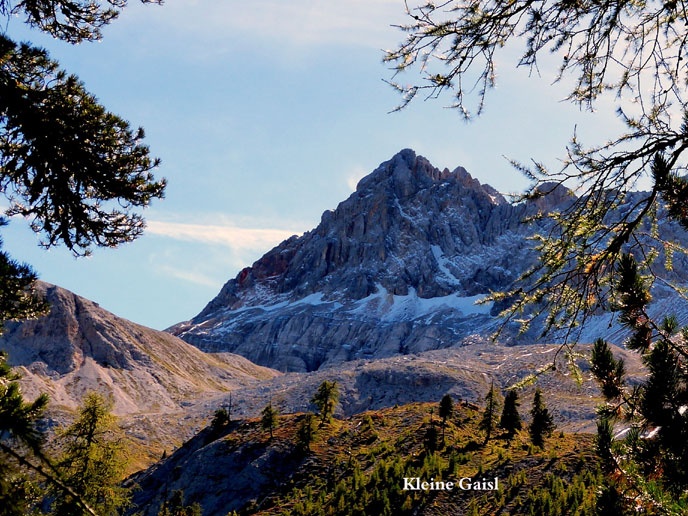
(79,346)
(464,372)
(394,269)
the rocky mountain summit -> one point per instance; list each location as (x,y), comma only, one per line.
(396,232)
(394,269)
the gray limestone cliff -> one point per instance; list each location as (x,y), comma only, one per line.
(395,268)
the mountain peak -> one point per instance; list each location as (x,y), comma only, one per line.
(409,237)
(406,173)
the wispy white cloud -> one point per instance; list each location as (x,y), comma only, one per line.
(190,276)
(312,21)
(208,254)
(235,237)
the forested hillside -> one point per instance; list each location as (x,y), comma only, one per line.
(359,466)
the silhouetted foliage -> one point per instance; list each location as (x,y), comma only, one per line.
(610,501)
(446,411)
(306,432)
(18,299)
(510,419)
(75,171)
(541,425)
(73,21)
(608,371)
(647,464)
(21,451)
(603,444)
(431,438)
(268,418)
(17,417)
(175,506)
(18,433)
(220,419)
(325,399)
(491,413)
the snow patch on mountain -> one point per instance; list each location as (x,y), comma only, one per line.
(389,307)
(442,263)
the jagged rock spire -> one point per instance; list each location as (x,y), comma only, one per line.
(410,235)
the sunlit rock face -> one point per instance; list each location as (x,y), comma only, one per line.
(394,269)
(80,347)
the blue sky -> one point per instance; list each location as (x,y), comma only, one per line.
(265,114)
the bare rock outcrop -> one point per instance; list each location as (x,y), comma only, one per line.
(395,269)
(79,347)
